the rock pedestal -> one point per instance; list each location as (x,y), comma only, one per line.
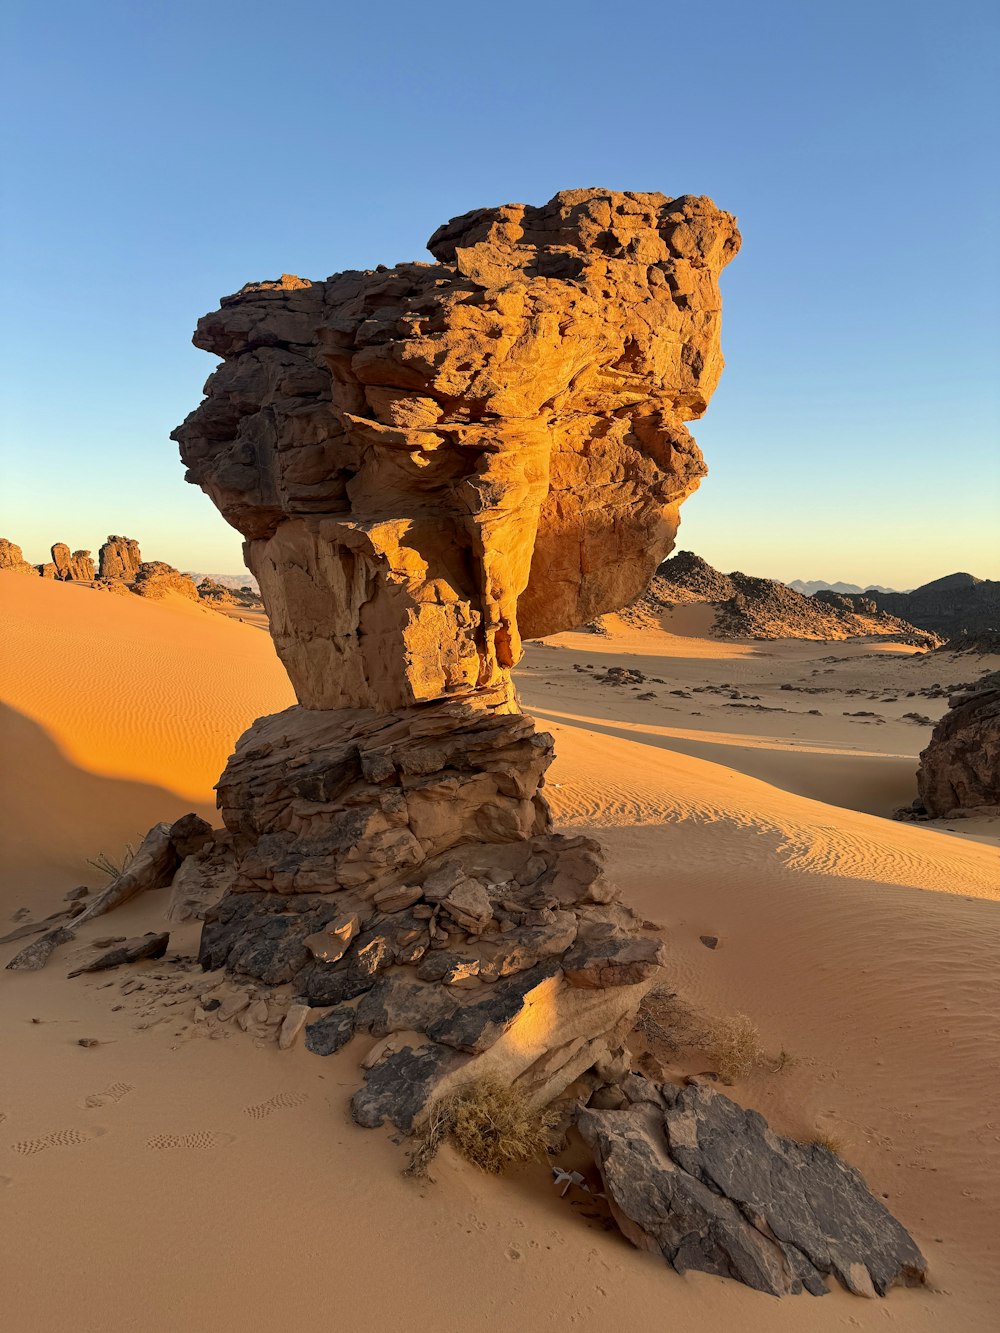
(120,558)
(426,462)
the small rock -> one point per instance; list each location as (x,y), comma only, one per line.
(234,1003)
(398,898)
(709,941)
(88,1041)
(295,1021)
(81,891)
(329,1034)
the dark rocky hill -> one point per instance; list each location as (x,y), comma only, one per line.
(748,607)
(954,605)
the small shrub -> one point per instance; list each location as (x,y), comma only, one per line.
(734,1044)
(491,1125)
(828,1141)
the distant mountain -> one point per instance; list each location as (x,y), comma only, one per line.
(748,607)
(808,586)
(954,605)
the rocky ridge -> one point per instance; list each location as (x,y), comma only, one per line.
(748,607)
(951,606)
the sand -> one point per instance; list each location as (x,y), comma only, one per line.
(121,712)
(166,1181)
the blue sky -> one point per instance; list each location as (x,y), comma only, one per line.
(161,155)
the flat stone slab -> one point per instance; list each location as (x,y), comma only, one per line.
(707,1184)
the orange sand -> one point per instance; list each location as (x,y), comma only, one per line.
(166,1183)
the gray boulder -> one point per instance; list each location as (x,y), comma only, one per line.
(707,1184)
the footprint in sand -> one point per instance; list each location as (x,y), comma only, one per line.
(110,1096)
(281,1101)
(61,1138)
(201,1139)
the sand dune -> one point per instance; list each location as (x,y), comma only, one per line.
(865,949)
(122,711)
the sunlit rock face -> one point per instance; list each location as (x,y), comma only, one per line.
(431,460)
(428,462)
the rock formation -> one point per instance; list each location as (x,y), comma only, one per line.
(77,567)
(155,578)
(12,558)
(120,559)
(426,462)
(960,768)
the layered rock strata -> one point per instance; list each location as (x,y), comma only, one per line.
(427,462)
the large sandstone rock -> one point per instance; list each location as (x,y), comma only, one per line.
(709,1186)
(12,558)
(960,768)
(426,462)
(120,558)
(429,460)
(75,567)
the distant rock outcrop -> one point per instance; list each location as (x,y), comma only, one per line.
(426,462)
(77,567)
(12,558)
(157,579)
(120,559)
(747,607)
(960,768)
(220,594)
(956,604)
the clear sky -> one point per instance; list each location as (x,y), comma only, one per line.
(159,155)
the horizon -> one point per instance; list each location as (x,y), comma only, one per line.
(854,429)
(864,585)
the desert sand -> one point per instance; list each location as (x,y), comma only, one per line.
(865,949)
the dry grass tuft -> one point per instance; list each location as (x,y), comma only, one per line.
(734,1044)
(828,1141)
(112,869)
(491,1125)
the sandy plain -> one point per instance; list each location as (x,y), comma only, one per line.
(165,1181)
